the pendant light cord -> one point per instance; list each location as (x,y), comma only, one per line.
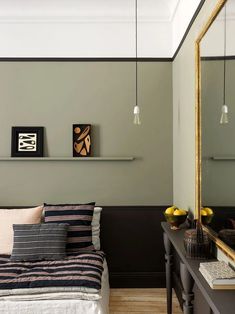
(225,43)
(136,53)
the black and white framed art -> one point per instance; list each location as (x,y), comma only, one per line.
(27,141)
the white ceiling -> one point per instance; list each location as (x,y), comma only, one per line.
(92,28)
(160,10)
(170,7)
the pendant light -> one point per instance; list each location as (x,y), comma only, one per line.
(224,109)
(136,108)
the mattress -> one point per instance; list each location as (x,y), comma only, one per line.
(65,306)
(81,272)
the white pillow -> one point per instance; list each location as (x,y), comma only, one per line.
(8,217)
(95,224)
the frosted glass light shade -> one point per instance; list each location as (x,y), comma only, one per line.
(137,115)
(224,115)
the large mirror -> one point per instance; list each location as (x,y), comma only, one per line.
(215,49)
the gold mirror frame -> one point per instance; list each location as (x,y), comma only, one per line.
(225,248)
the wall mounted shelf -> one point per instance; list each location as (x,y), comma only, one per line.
(67,158)
(223,158)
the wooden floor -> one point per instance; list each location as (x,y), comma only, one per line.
(140,301)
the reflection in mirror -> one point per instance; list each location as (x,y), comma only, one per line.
(218,136)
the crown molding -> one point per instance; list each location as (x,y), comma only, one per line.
(80,19)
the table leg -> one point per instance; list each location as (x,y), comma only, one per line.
(187,282)
(168,257)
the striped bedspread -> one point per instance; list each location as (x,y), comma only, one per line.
(78,273)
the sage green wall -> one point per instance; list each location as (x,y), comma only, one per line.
(217,140)
(56,95)
(184,114)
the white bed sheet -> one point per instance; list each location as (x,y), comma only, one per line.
(62,306)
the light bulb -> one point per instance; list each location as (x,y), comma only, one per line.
(224,115)
(137,115)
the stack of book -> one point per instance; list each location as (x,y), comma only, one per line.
(218,274)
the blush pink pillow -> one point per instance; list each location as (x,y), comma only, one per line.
(8,217)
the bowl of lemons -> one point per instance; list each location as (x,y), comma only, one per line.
(207,215)
(175,216)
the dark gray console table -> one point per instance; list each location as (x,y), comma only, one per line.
(197,295)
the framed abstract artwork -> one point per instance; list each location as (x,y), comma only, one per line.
(27,141)
(81,140)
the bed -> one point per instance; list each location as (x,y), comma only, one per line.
(78,283)
(70,306)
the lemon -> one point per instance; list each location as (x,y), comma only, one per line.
(208,210)
(179,212)
(170,210)
(203,212)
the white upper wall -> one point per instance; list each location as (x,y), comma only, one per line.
(213,41)
(181,19)
(82,28)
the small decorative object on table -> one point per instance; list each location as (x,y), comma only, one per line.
(175,217)
(207,215)
(81,140)
(228,236)
(27,141)
(197,243)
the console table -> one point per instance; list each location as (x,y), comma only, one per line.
(196,294)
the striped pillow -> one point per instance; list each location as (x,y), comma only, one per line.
(39,242)
(79,218)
